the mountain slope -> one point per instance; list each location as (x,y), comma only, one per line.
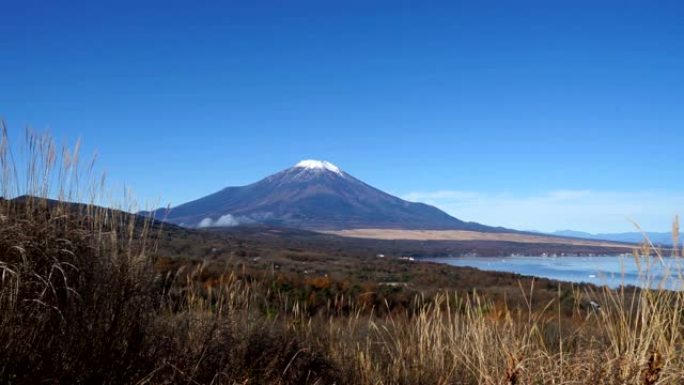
(314,195)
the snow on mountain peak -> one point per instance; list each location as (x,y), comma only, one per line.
(311,164)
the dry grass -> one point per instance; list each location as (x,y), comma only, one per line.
(465,235)
(81,302)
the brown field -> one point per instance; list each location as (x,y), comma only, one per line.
(463,235)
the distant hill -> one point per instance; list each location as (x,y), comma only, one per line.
(664,239)
(313,195)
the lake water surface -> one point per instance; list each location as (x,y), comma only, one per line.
(600,270)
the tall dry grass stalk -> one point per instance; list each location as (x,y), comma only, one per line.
(675,237)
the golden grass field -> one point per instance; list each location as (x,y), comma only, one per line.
(464,235)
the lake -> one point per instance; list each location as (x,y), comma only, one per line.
(612,271)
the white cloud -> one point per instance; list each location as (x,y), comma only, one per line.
(223,221)
(584,210)
(206,222)
(227,220)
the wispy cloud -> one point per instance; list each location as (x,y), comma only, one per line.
(223,221)
(585,210)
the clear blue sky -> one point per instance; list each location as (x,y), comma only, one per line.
(562,108)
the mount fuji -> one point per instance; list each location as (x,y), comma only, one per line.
(313,195)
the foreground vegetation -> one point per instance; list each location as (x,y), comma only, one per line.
(86,296)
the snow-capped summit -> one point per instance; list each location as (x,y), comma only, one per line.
(312,164)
